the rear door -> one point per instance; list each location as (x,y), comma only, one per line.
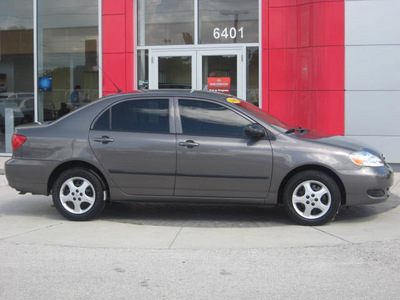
(134,142)
(214,156)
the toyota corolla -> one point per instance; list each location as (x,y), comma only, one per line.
(192,146)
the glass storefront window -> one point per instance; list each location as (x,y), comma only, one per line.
(143,69)
(234,23)
(228,21)
(165,22)
(67,56)
(16,68)
(252,86)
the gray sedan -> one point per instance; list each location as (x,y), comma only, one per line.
(192,146)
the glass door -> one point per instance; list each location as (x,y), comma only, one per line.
(221,71)
(210,70)
(172,70)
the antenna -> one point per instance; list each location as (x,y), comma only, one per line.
(119,91)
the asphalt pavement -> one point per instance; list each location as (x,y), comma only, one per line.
(154,251)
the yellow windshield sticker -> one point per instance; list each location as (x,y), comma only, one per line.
(233,100)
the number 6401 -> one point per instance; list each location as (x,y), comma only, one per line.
(226,32)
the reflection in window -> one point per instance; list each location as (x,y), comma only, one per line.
(143,69)
(223,21)
(253,91)
(103,122)
(206,118)
(175,72)
(165,22)
(141,116)
(67,56)
(16,68)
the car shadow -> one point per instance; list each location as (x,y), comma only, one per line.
(225,216)
(192,215)
(195,215)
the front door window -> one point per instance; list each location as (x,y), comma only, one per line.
(210,119)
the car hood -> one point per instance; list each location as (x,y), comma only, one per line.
(343,142)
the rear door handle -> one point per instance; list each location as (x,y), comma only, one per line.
(189,144)
(104,139)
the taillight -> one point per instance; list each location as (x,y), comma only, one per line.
(17,141)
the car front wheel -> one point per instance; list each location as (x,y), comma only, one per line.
(312,198)
(78,195)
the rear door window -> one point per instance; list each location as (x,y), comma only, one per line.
(136,116)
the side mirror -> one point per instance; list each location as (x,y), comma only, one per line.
(254,131)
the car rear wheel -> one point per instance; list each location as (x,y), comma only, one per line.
(78,195)
(312,198)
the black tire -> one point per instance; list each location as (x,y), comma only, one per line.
(78,195)
(312,198)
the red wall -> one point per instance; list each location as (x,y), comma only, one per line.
(118,36)
(302,59)
(303,63)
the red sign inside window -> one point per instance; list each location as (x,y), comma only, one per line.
(219,84)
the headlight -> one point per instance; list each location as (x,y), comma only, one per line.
(366,159)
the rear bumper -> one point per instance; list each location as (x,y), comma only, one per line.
(367,185)
(29,176)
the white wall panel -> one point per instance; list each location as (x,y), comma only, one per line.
(372,74)
(372,67)
(372,22)
(372,113)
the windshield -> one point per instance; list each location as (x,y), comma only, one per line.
(278,124)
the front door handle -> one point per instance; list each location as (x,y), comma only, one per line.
(104,139)
(189,144)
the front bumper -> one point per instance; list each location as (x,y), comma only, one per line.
(367,185)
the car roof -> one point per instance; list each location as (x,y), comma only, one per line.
(174,93)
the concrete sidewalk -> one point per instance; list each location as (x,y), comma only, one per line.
(3,160)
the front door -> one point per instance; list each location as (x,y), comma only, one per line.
(214,70)
(214,156)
